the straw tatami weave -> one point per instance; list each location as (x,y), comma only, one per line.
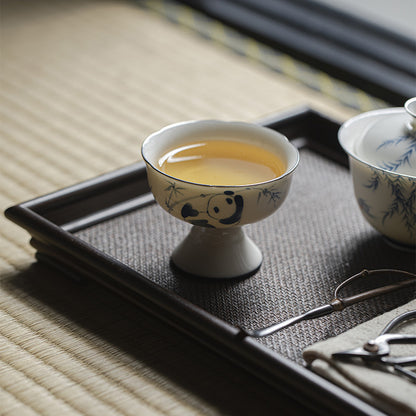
(82,83)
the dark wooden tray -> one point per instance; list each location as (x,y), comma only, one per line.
(64,232)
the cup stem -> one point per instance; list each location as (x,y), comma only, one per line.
(217,253)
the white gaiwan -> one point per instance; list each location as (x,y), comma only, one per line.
(217,246)
(381,146)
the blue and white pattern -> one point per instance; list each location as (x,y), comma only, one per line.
(403,201)
(408,157)
(224,207)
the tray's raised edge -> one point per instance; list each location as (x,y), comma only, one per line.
(96,199)
(108,213)
(318,130)
(90,186)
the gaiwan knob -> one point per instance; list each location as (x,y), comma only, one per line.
(390,142)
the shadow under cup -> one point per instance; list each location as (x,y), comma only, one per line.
(217,246)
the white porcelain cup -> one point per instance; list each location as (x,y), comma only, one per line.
(217,246)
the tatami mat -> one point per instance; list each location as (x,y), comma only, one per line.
(82,83)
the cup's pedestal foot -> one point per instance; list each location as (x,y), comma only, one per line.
(217,253)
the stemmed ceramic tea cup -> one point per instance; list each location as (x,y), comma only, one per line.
(217,246)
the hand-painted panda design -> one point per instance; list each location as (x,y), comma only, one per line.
(188,211)
(225,208)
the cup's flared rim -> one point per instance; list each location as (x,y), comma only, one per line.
(240,124)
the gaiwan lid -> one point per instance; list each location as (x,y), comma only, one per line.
(390,142)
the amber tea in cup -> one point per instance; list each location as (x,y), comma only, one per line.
(222,162)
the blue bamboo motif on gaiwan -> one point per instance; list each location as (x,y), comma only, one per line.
(409,144)
(365,207)
(403,203)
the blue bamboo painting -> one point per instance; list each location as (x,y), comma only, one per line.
(409,147)
(403,205)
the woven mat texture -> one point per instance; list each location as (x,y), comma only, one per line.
(82,83)
(309,247)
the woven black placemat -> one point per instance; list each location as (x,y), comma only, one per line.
(312,243)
